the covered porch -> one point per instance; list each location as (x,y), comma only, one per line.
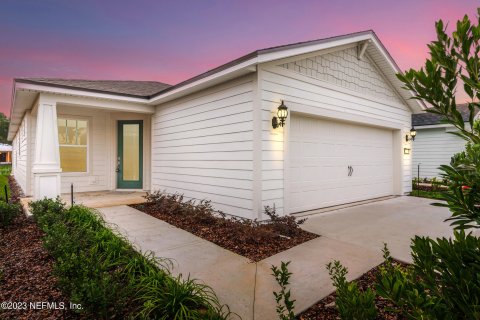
(99,146)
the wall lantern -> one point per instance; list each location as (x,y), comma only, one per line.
(412,135)
(406,151)
(279,120)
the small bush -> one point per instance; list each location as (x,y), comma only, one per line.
(285,305)
(101,271)
(8,212)
(442,283)
(352,304)
(285,225)
(202,211)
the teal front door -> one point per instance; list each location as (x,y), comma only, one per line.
(130,154)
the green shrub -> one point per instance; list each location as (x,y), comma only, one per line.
(8,212)
(352,304)
(442,283)
(285,305)
(101,271)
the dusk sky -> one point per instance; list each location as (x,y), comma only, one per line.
(170,41)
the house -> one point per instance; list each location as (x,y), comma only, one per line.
(5,153)
(219,136)
(435,144)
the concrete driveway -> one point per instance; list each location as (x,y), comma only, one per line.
(393,221)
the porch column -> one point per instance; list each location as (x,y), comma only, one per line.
(46,163)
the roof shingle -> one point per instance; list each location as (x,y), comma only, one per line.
(142,89)
(428,119)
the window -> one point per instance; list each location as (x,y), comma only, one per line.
(73,137)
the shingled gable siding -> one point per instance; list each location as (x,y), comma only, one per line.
(202,146)
(311,88)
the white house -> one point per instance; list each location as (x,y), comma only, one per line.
(212,136)
(435,144)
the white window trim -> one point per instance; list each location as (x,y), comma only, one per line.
(89,142)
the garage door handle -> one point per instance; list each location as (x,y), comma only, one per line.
(351,174)
(349,170)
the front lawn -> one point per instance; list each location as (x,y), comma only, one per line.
(3,183)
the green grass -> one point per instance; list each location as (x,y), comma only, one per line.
(3,183)
(5,169)
(427,194)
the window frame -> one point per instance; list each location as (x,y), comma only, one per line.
(89,124)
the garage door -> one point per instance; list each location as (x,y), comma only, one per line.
(333,163)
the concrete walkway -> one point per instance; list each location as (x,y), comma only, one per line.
(244,286)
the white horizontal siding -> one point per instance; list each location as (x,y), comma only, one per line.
(21,154)
(432,148)
(202,146)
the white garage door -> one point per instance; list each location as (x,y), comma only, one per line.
(321,152)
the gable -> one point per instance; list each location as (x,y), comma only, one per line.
(344,69)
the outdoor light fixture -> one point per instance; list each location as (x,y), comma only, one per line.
(406,151)
(412,135)
(279,120)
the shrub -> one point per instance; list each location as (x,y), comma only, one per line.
(101,271)
(442,283)
(352,304)
(285,305)
(8,212)
(285,225)
(174,204)
(202,211)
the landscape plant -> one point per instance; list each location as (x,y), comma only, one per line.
(285,305)
(253,239)
(8,211)
(101,271)
(351,303)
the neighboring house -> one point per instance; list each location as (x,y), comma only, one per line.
(212,135)
(435,144)
(5,153)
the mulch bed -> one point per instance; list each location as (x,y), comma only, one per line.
(253,242)
(325,309)
(26,271)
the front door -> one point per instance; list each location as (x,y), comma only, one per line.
(130,154)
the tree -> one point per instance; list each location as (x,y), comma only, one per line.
(453,62)
(4,122)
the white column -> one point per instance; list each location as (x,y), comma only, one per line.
(46,163)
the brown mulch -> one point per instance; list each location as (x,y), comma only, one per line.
(253,242)
(325,309)
(26,271)
(15,191)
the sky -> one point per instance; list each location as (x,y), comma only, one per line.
(171,41)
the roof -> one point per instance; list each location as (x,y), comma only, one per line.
(428,118)
(148,94)
(5,147)
(140,89)
(257,53)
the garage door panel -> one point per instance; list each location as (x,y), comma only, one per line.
(321,151)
